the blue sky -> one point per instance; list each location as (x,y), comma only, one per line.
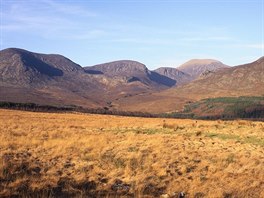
(154,32)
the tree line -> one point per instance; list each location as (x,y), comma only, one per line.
(255,112)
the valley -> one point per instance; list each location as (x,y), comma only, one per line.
(125,85)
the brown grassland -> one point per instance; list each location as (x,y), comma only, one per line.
(83,155)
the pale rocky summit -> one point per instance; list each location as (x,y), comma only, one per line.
(196,67)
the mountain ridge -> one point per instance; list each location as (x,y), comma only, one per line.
(131,71)
(120,85)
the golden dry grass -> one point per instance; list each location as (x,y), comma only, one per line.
(62,155)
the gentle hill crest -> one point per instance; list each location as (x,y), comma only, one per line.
(196,67)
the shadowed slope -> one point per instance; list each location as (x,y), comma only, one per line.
(175,74)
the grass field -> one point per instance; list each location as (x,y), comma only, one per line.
(82,155)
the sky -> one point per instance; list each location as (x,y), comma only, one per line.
(154,32)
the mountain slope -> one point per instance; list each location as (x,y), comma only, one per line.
(196,67)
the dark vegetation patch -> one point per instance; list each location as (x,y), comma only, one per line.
(133,79)
(90,71)
(71,108)
(251,107)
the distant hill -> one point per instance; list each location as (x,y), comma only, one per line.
(196,67)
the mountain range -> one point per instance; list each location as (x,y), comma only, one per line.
(122,85)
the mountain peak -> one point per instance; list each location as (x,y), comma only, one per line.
(27,68)
(131,71)
(38,62)
(196,67)
(13,50)
(201,61)
(121,67)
